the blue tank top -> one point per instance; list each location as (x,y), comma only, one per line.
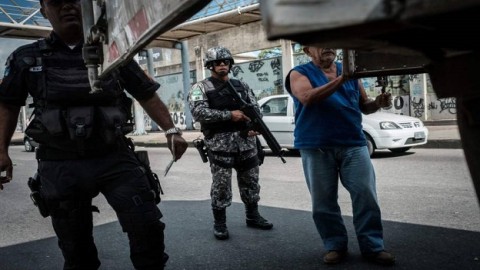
(333,122)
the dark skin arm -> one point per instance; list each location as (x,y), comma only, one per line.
(159,113)
(8,122)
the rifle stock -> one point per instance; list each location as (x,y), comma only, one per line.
(257,123)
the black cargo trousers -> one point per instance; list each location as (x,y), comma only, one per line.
(68,187)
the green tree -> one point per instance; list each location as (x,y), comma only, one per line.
(270,53)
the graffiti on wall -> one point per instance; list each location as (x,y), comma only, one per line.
(411,94)
(264,76)
(172,94)
(444,108)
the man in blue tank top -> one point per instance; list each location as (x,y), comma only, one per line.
(328,133)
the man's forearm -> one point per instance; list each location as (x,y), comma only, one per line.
(369,107)
(157,110)
(8,122)
(322,92)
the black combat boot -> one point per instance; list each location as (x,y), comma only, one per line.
(220,227)
(254,219)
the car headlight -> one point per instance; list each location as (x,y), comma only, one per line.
(418,124)
(389,125)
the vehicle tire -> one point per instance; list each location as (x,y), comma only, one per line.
(28,146)
(370,144)
(399,150)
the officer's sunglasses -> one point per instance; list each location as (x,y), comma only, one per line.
(219,62)
(57,3)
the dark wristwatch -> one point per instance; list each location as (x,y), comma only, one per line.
(173,130)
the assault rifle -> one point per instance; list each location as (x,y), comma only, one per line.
(257,123)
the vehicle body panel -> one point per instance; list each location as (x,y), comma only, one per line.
(410,132)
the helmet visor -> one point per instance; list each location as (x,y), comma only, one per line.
(226,62)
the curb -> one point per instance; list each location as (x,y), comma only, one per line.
(157,144)
(442,144)
(445,144)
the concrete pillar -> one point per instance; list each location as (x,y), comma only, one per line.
(287,58)
(139,119)
(200,71)
(183,46)
(24,118)
(139,116)
(151,72)
(425,95)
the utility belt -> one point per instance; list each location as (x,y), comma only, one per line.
(78,129)
(209,131)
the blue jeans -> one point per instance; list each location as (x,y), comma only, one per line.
(322,168)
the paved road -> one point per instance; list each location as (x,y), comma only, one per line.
(431,218)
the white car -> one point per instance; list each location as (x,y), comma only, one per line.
(397,133)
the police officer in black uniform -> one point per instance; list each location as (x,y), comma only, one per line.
(83,149)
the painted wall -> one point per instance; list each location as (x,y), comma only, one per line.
(411,94)
(263,76)
(172,94)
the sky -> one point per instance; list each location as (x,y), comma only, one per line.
(7,46)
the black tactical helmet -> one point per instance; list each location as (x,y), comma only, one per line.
(217,53)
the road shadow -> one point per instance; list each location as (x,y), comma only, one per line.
(388,154)
(286,153)
(292,244)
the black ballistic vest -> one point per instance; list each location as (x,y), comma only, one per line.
(69,121)
(220,98)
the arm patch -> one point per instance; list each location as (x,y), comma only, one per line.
(196,93)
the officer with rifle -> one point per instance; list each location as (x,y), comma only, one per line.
(230,142)
(83,149)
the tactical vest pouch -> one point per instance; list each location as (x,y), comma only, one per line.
(52,120)
(80,122)
(114,122)
(43,127)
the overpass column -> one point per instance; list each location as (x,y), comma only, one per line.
(151,72)
(287,58)
(183,46)
(200,71)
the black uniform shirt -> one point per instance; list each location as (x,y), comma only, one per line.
(26,61)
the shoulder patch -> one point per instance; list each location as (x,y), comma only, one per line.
(196,93)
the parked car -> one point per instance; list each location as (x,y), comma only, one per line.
(397,133)
(29,143)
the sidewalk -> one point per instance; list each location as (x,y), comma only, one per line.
(440,136)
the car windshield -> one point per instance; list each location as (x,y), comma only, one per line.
(275,107)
